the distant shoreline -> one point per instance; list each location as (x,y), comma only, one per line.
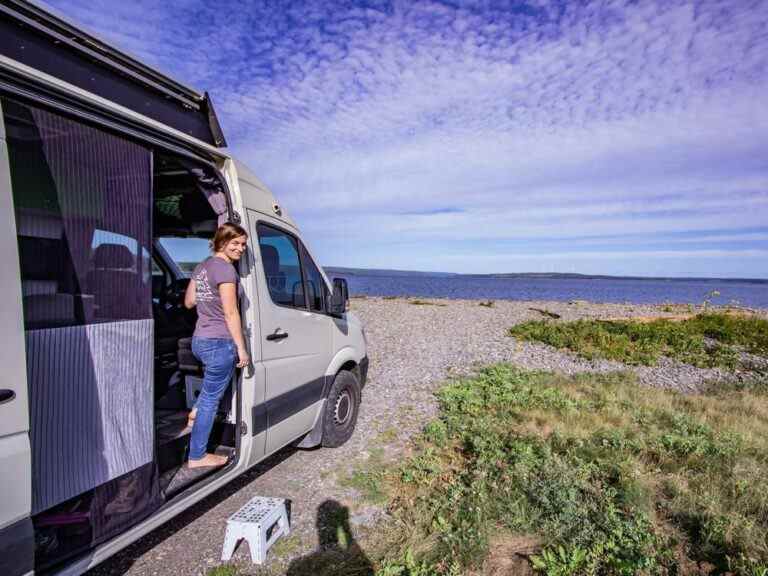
(575,303)
(373,272)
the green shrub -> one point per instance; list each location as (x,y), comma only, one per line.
(706,340)
(610,477)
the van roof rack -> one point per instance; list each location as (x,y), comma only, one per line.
(41,40)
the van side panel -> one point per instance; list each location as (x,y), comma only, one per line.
(16,540)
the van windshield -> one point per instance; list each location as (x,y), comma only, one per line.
(186,252)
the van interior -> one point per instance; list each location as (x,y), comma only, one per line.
(108,232)
(183,224)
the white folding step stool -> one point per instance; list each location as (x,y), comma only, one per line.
(252,523)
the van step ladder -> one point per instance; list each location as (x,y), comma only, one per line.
(253,522)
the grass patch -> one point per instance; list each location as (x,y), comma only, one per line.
(417,302)
(706,340)
(224,570)
(757,384)
(287,546)
(387,436)
(368,478)
(610,477)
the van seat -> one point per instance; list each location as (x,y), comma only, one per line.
(53,309)
(114,279)
(275,277)
(39,287)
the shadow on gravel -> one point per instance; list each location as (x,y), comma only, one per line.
(122,562)
(338,553)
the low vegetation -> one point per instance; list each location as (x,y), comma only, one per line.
(607,477)
(224,570)
(589,474)
(704,340)
(367,478)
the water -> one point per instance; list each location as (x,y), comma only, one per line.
(743,293)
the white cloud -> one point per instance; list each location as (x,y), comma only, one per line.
(547,120)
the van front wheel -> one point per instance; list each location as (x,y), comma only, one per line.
(341,409)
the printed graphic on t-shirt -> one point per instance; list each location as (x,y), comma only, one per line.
(203,291)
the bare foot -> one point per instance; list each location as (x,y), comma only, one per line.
(207,460)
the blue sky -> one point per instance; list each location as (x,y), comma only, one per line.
(597,137)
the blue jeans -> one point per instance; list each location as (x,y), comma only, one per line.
(218,356)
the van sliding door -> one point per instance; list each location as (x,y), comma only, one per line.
(83,203)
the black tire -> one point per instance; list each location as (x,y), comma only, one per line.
(341,409)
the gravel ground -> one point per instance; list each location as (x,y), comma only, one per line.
(413,348)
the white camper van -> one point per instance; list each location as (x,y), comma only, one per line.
(112,181)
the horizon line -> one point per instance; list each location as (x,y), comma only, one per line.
(565,274)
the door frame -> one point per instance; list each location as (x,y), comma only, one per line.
(16,532)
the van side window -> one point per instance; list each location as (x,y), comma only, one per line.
(282,266)
(316,290)
(82,198)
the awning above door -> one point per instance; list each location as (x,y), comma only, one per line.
(36,38)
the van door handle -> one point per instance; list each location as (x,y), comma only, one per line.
(8,395)
(277,335)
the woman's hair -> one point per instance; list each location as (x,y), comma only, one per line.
(226,232)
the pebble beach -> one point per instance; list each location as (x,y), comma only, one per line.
(414,346)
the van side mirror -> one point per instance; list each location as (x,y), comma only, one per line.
(340,297)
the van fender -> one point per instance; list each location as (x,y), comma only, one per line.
(342,357)
(346,354)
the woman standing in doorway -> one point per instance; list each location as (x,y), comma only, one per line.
(218,341)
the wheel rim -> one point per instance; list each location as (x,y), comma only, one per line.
(342,409)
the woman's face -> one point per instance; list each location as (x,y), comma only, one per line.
(234,248)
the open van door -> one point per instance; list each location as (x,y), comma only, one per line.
(16,534)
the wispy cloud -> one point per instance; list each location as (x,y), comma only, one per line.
(432,123)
